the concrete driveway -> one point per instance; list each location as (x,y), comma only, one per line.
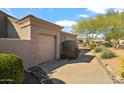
(84,70)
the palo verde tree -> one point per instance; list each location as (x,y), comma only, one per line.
(115,23)
(110,26)
(85,30)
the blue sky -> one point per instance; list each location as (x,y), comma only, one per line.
(62,16)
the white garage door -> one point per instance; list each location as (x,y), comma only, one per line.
(46,47)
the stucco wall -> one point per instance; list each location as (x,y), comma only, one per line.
(26,49)
(22,48)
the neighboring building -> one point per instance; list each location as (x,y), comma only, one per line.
(121,42)
(67,36)
(33,39)
(98,40)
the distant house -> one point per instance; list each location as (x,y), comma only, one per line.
(34,39)
(67,36)
(98,40)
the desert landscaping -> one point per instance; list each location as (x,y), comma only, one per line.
(35,51)
(114,63)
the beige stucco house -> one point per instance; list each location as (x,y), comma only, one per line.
(34,39)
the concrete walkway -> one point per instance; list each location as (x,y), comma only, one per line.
(84,70)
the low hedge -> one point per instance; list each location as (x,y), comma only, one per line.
(11,69)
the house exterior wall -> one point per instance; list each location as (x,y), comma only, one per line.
(23,39)
(3,32)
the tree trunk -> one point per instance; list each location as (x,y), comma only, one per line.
(117,44)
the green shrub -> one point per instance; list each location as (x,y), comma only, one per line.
(11,69)
(98,49)
(107,54)
(69,49)
(122,69)
(93,45)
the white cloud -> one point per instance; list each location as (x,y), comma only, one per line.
(66,23)
(98,10)
(83,15)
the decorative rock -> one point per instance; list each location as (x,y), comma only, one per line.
(111,74)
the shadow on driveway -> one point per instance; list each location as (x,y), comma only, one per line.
(52,65)
(57,81)
(82,59)
(29,79)
(84,51)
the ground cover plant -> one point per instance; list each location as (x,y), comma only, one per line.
(107,54)
(98,49)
